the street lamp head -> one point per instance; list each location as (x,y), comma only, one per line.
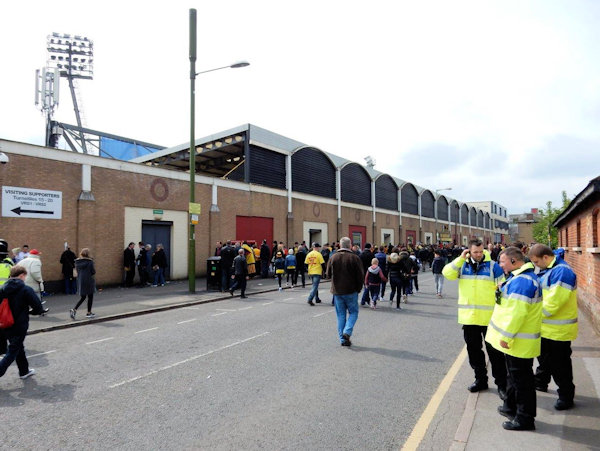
(239,64)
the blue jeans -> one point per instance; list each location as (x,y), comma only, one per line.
(159,276)
(439,282)
(343,303)
(314,291)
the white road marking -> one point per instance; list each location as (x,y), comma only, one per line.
(244,308)
(224,310)
(288,299)
(187,321)
(219,314)
(269,303)
(324,313)
(133,379)
(146,330)
(99,341)
(41,353)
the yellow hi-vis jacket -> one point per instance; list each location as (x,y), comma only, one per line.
(517,320)
(5,266)
(559,306)
(476,288)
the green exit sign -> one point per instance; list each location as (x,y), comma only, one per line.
(157,212)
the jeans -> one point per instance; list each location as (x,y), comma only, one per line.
(70,285)
(314,291)
(439,283)
(346,303)
(16,351)
(365,297)
(374,292)
(159,276)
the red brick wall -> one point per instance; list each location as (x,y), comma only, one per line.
(585,264)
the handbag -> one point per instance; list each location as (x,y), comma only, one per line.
(6,316)
(155,268)
(74,273)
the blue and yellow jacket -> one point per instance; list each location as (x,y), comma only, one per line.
(559,306)
(517,320)
(476,288)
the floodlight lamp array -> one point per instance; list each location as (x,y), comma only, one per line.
(73,55)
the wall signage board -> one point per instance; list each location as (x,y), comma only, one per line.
(18,202)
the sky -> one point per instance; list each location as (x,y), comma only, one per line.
(498,100)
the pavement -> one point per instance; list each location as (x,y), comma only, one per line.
(459,420)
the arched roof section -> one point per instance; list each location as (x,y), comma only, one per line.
(386,192)
(410,199)
(356,184)
(480,218)
(454,211)
(310,164)
(473,216)
(442,208)
(427,204)
(464,214)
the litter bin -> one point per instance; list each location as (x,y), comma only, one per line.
(213,273)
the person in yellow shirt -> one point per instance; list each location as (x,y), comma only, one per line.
(315,263)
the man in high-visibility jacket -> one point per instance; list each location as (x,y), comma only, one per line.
(515,330)
(559,324)
(478,276)
(5,264)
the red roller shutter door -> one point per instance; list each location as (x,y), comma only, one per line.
(254,228)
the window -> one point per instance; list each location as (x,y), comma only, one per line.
(578,234)
(566,237)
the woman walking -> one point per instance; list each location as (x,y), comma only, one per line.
(86,284)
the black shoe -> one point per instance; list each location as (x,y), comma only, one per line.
(502,393)
(318,301)
(243,297)
(515,425)
(346,338)
(561,404)
(510,414)
(346,343)
(231,292)
(542,388)
(311,303)
(477,386)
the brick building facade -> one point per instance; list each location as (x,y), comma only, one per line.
(108,203)
(578,232)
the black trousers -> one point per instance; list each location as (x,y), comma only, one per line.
(520,389)
(90,298)
(555,361)
(301,273)
(129,275)
(240,282)
(474,338)
(15,352)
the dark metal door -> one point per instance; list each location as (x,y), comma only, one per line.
(159,232)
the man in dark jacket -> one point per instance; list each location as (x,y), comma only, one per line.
(227,256)
(346,273)
(67,259)
(240,269)
(129,264)
(20,298)
(265,259)
(365,257)
(142,264)
(300,259)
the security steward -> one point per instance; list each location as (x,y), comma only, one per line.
(515,330)
(478,276)
(5,264)
(559,324)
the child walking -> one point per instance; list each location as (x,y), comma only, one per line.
(279,267)
(436,267)
(290,268)
(373,280)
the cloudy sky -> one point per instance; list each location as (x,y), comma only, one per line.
(499,100)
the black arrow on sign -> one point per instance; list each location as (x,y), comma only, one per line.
(19,210)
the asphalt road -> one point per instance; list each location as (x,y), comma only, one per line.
(265,372)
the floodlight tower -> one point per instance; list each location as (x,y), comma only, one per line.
(73,57)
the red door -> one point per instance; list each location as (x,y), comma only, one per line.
(358,235)
(411,237)
(254,228)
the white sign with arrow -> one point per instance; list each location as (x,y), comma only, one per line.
(31,203)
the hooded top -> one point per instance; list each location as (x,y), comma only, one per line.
(20,299)
(374,275)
